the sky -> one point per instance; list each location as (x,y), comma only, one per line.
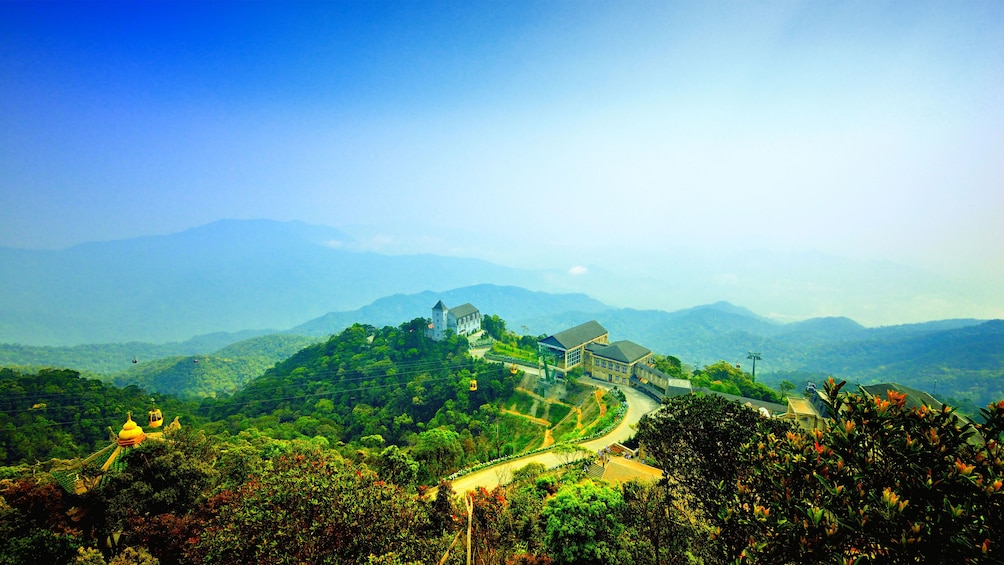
(586,137)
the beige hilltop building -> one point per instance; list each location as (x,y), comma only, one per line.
(622,362)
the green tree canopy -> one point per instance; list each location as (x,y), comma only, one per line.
(583,524)
(439,451)
(314,507)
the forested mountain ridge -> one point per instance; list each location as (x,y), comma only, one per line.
(224,371)
(958,354)
(957,359)
(111,358)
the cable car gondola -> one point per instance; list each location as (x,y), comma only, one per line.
(474,385)
(156,417)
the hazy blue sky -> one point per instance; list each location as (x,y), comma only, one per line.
(578,133)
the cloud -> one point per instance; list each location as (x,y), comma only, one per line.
(578,270)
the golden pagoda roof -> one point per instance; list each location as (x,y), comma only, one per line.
(131,433)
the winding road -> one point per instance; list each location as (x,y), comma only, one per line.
(638,405)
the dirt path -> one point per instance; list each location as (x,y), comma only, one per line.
(600,403)
(548,438)
(533,419)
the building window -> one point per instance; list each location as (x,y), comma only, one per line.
(573,357)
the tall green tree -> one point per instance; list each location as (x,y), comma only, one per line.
(698,441)
(670,365)
(659,530)
(584,524)
(396,466)
(439,451)
(494,326)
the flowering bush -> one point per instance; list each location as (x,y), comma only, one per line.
(884,484)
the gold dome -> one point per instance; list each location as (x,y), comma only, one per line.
(131,433)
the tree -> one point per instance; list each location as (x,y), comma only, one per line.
(568,452)
(670,365)
(34,527)
(698,441)
(492,534)
(785,387)
(660,532)
(155,500)
(884,483)
(494,326)
(572,377)
(583,524)
(439,451)
(397,466)
(316,508)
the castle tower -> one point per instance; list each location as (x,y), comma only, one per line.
(440,320)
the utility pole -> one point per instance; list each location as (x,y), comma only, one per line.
(755,357)
(469,503)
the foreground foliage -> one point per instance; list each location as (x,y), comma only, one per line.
(313,508)
(884,484)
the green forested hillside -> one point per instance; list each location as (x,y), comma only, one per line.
(326,458)
(363,389)
(109,358)
(379,386)
(224,371)
(964,364)
(741,489)
(226,361)
(961,360)
(56,413)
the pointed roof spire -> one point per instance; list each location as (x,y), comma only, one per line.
(131,433)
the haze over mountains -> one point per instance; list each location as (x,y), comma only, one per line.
(235,280)
(226,276)
(238,275)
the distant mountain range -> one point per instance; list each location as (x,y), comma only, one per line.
(232,281)
(238,275)
(514,304)
(961,358)
(226,276)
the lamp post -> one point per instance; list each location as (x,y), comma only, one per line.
(755,357)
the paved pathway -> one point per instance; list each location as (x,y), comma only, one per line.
(638,405)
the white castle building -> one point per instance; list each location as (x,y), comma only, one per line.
(463,320)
